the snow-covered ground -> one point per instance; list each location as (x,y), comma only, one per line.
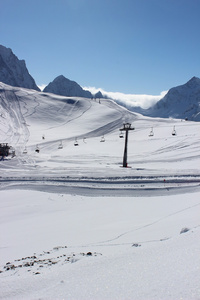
(75,224)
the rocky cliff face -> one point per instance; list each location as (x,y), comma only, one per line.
(13,71)
(180,102)
(65,87)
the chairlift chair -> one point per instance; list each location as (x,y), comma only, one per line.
(25,151)
(121,135)
(102,139)
(174,131)
(60,146)
(76,143)
(151,132)
(37,149)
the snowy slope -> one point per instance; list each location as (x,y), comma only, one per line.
(74,223)
(27,116)
(59,246)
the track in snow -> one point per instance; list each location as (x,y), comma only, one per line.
(137,186)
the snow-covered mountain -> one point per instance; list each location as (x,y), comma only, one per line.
(181,102)
(26,115)
(19,107)
(13,71)
(65,87)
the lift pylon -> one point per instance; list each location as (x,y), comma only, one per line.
(126,128)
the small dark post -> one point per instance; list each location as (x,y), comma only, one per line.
(127,127)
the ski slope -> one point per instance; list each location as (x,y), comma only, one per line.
(28,116)
(74,223)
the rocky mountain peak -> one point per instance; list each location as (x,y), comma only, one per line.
(13,71)
(193,82)
(181,102)
(65,87)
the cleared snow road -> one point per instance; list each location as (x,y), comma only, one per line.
(138,186)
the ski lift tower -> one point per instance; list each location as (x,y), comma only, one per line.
(126,128)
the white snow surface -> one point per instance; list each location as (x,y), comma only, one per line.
(75,224)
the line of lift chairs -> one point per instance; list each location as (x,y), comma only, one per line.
(121,135)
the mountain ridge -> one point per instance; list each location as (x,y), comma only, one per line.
(182,102)
(14,71)
(65,87)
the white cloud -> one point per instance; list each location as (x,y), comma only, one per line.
(42,86)
(141,100)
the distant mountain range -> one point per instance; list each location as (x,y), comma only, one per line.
(14,72)
(181,102)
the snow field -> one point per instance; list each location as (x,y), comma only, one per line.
(76,225)
(135,243)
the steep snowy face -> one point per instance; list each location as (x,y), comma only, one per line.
(65,87)
(180,102)
(13,71)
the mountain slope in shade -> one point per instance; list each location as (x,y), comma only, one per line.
(65,87)
(182,102)
(13,71)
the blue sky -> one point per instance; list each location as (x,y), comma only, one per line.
(126,46)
